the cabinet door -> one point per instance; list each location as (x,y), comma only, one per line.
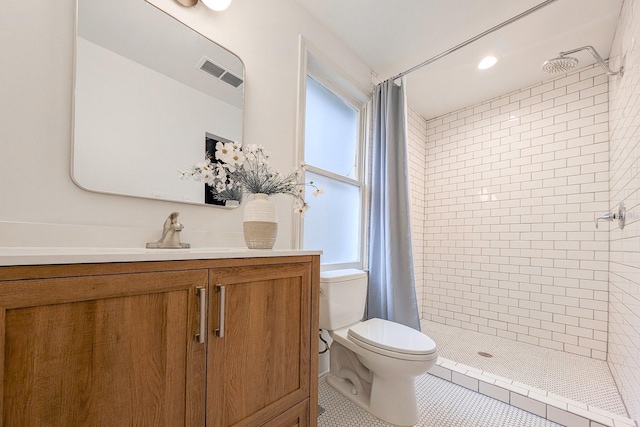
(298,416)
(110,350)
(260,366)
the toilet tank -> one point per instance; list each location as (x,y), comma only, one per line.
(343,295)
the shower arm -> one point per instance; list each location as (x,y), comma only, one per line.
(597,57)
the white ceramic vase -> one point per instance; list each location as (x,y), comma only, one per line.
(260,222)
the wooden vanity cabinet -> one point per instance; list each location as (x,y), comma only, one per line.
(105,350)
(298,416)
(259,360)
(117,345)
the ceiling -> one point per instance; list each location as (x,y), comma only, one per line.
(393,36)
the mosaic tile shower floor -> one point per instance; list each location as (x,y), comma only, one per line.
(575,377)
(440,404)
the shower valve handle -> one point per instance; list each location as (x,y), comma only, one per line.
(621,216)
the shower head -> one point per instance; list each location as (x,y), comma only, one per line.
(561,64)
(564,63)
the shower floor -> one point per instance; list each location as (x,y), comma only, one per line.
(575,377)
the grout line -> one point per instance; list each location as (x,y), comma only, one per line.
(522,393)
(544,372)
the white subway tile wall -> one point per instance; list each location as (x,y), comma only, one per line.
(512,186)
(417,136)
(624,288)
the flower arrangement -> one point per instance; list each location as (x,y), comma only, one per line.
(237,170)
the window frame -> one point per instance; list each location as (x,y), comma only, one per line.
(316,66)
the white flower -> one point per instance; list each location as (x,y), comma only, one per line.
(301,208)
(251,148)
(318,192)
(236,169)
(223,150)
(220,147)
(201,165)
(237,158)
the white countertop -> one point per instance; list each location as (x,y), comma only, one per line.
(61,255)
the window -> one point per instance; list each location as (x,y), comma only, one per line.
(333,152)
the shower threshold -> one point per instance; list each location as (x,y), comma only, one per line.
(569,389)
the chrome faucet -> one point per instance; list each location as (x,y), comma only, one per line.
(170,235)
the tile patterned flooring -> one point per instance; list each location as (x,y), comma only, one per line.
(574,377)
(441,404)
(445,404)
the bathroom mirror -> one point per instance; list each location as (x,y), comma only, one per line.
(149,91)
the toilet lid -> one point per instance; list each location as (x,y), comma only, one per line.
(393,337)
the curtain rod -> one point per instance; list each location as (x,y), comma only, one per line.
(473,39)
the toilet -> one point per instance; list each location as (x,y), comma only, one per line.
(373,363)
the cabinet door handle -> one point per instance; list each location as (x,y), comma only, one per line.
(220,331)
(203,307)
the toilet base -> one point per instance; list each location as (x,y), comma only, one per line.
(345,388)
(391,401)
(394,400)
(380,384)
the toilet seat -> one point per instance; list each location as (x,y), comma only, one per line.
(393,340)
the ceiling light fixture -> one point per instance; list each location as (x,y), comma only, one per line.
(487,62)
(217,5)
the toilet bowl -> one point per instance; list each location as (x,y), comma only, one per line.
(373,363)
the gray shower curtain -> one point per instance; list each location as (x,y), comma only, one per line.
(392,293)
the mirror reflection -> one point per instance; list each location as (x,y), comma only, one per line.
(149,92)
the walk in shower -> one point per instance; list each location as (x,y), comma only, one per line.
(509,260)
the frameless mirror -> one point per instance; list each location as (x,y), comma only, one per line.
(149,93)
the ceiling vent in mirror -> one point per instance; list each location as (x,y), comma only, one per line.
(218,72)
(231,79)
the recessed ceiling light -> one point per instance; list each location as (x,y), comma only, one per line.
(487,62)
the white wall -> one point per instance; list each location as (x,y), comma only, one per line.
(512,187)
(40,203)
(624,277)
